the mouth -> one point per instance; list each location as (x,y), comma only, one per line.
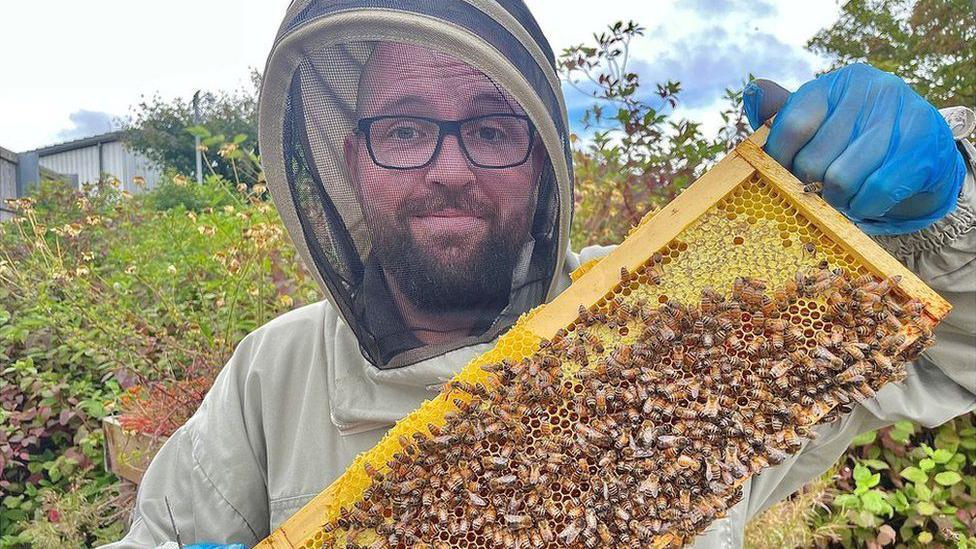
(448,221)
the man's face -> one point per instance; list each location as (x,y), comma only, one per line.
(449,232)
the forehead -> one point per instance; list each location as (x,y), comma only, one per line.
(408,79)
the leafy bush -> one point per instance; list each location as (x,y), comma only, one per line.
(100,293)
(641,156)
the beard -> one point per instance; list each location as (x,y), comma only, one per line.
(433,273)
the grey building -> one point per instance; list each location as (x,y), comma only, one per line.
(85,160)
(8,181)
(75,162)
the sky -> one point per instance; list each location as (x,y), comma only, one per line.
(72,69)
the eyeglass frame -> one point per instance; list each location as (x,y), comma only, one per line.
(444,128)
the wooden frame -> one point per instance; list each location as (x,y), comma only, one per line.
(654,234)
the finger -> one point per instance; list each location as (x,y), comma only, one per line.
(761,99)
(847,172)
(918,205)
(797,122)
(811,162)
(890,184)
(850,108)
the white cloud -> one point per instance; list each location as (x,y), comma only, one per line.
(62,57)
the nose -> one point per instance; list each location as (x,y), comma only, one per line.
(450,167)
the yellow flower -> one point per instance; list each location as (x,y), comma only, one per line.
(192,216)
(259,189)
(81,271)
(139,181)
(228,209)
(241,188)
(131,269)
(253,292)
(285,300)
(202,148)
(72,229)
(93,220)
(180,181)
(226,149)
(171,269)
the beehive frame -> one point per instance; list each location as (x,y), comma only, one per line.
(711,201)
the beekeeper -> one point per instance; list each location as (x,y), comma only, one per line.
(419,155)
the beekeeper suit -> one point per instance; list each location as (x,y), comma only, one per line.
(418,153)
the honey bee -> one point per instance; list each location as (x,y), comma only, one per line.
(499,483)
(711,407)
(753,347)
(570,533)
(545,531)
(914,308)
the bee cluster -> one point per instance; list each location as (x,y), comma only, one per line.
(638,422)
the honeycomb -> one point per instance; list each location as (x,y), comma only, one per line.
(638,421)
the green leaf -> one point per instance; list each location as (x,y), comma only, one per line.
(926,464)
(941,456)
(239,138)
(864,438)
(199,131)
(948,478)
(874,502)
(923,492)
(873,480)
(876,464)
(900,501)
(925,508)
(905,426)
(915,475)
(861,473)
(847,500)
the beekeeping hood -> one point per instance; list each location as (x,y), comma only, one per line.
(419,259)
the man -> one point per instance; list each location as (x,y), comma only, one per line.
(430,194)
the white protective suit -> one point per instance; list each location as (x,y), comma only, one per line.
(303,395)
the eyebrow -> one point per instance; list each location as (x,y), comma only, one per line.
(482,98)
(402,101)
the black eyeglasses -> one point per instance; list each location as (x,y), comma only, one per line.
(411,142)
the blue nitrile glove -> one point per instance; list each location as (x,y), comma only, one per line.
(886,157)
(215,546)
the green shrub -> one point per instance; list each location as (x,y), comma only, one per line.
(100,291)
(175,190)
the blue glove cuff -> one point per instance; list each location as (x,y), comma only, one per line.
(752,96)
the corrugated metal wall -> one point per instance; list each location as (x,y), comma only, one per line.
(116,161)
(8,185)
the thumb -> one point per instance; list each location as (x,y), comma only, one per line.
(761,99)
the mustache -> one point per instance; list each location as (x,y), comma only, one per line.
(461,200)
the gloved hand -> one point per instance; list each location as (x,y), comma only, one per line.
(215,546)
(885,156)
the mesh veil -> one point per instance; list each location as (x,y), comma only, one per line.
(419,186)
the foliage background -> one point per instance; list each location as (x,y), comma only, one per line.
(110,302)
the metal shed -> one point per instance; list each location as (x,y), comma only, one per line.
(85,160)
(8,181)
